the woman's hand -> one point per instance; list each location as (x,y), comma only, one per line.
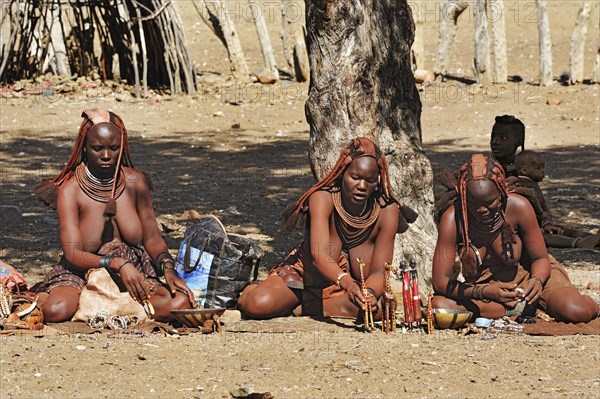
(532,290)
(132,279)
(552,229)
(175,282)
(504,293)
(356,297)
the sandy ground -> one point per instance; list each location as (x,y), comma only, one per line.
(243,163)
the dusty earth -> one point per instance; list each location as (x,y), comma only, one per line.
(238,151)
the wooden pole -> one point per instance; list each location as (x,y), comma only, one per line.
(499,41)
(449,13)
(545,44)
(481,62)
(292,16)
(596,71)
(143,45)
(418,47)
(263,38)
(301,61)
(578,42)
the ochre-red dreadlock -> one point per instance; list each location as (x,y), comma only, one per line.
(47,190)
(481,167)
(358,147)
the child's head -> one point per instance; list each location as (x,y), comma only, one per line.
(508,134)
(531,164)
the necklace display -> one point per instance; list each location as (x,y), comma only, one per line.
(98,189)
(353,230)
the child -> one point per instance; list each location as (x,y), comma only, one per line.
(530,167)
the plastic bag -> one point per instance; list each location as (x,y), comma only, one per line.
(217,266)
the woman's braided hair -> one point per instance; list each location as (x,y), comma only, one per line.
(358,147)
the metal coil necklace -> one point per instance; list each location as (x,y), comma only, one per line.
(98,189)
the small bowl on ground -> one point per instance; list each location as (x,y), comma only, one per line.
(451,318)
(195,318)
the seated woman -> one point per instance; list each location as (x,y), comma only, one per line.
(99,178)
(351,214)
(502,254)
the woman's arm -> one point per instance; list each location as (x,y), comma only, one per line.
(153,241)
(533,243)
(383,252)
(325,254)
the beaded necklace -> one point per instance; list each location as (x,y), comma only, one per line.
(353,230)
(98,189)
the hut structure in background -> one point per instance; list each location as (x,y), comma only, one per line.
(139,41)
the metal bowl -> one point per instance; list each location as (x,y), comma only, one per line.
(451,318)
(196,317)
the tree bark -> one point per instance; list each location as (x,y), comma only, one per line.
(362,85)
(578,42)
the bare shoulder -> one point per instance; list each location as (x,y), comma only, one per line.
(135,178)
(517,203)
(390,211)
(448,217)
(70,187)
(320,198)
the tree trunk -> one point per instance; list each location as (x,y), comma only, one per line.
(596,70)
(292,20)
(449,14)
(216,15)
(418,48)
(481,62)
(578,42)
(545,44)
(263,38)
(362,85)
(499,34)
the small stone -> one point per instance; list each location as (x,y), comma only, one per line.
(265,76)
(10,214)
(190,214)
(424,76)
(553,101)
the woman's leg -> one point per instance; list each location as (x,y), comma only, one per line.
(60,304)
(268,299)
(163,303)
(490,310)
(568,305)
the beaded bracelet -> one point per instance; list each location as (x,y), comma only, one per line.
(372,292)
(105,261)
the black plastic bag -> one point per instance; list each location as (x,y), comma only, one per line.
(217,266)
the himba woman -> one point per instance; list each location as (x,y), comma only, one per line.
(351,213)
(99,179)
(502,254)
